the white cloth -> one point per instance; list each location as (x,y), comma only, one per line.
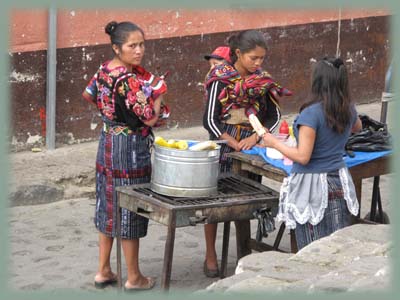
(304,197)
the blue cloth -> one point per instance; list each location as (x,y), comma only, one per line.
(329,144)
(359,158)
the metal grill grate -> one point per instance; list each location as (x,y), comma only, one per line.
(230,188)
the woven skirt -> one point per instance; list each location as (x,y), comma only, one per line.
(239,134)
(226,162)
(336,215)
(121,160)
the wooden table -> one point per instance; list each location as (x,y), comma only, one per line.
(373,168)
(244,163)
(247,163)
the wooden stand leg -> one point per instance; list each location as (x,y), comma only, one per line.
(293,242)
(376,202)
(242,238)
(279,236)
(237,168)
(358,186)
(225,247)
(118,234)
(168,254)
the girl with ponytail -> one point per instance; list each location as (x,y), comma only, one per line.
(319,197)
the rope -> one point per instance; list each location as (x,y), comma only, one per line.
(338,39)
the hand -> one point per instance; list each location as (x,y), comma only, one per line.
(232,142)
(249,142)
(157,105)
(269,140)
(236,146)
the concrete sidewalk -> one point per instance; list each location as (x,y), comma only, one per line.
(54,245)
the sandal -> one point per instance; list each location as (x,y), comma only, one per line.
(105,283)
(210,273)
(150,284)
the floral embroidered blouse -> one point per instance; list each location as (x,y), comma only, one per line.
(124,96)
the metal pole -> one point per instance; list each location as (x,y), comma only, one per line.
(386,95)
(51,80)
(376,194)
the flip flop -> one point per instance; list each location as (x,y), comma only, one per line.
(150,284)
(105,283)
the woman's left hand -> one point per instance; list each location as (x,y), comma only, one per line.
(249,142)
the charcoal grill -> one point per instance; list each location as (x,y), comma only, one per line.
(236,200)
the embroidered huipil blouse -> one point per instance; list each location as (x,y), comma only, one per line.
(125,96)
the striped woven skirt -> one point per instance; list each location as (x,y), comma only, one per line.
(121,160)
(336,215)
(239,133)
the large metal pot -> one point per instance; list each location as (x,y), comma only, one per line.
(185,173)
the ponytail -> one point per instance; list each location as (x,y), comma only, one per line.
(245,41)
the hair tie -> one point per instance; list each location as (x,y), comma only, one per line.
(328,63)
(338,62)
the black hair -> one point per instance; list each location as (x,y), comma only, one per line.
(246,41)
(119,32)
(330,85)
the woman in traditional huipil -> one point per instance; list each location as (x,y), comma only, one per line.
(129,100)
(233,92)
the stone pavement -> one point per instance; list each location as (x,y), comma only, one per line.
(53,242)
(55,246)
(356,258)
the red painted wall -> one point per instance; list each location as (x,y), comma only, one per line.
(29,27)
(177,41)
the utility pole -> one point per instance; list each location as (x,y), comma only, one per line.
(51,80)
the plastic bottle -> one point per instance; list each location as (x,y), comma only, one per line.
(291,133)
(287,161)
(291,142)
(284,129)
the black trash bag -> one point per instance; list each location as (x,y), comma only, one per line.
(374,136)
(266,223)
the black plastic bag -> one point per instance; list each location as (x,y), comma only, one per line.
(374,136)
(266,223)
